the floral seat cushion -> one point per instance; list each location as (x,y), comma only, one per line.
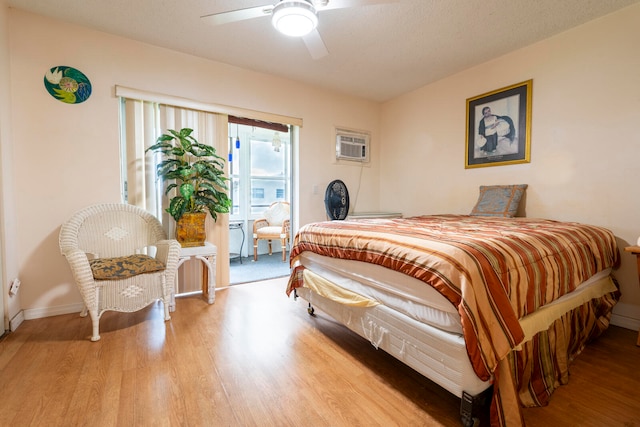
(124,267)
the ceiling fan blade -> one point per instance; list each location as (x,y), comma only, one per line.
(238,15)
(315,45)
(342,4)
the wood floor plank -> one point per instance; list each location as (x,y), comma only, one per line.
(256,358)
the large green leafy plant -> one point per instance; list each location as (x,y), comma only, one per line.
(198,173)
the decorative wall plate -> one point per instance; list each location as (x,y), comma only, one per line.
(67,84)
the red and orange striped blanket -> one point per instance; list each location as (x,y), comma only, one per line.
(493,270)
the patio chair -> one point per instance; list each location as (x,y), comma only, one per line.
(274,225)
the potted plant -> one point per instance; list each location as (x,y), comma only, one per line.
(198,180)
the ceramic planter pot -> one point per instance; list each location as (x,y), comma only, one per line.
(190,229)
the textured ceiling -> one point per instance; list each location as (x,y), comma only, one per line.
(376,52)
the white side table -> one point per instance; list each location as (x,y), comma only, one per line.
(206,254)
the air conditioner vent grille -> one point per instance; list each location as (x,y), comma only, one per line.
(351,146)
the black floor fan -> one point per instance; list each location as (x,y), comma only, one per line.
(336,200)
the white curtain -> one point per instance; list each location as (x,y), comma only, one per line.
(143,122)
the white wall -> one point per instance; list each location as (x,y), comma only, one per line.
(10,304)
(66,156)
(585,143)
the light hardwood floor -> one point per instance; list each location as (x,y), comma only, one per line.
(256,358)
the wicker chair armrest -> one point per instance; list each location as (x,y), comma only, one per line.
(286,227)
(80,268)
(164,249)
(259,223)
(167,251)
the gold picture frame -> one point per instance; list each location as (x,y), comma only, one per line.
(499,127)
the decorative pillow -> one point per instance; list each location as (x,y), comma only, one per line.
(123,267)
(499,200)
(277,214)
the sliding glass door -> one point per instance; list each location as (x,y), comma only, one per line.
(260,171)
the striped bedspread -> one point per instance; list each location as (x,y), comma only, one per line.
(494,270)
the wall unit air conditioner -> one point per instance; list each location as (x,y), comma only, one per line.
(352,146)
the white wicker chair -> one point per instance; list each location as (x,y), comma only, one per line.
(106,231)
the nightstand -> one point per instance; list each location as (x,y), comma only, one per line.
(636,251)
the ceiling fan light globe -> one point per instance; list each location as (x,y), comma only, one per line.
(295,18)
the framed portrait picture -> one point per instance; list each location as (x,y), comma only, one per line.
(499,127)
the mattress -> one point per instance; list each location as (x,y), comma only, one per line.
(424,304)
(397,291)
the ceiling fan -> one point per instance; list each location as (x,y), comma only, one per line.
(295,18)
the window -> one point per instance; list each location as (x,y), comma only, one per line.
(259,167)
(257,193)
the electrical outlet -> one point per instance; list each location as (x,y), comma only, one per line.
(15,285)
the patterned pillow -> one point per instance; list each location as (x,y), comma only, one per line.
(499,200)
(123,267)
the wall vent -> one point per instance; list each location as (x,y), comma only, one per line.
(352,146)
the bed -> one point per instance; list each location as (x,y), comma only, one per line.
(490,308)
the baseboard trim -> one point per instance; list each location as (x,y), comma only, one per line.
(38,313)
(625,322)
(626,316)
(16,321)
